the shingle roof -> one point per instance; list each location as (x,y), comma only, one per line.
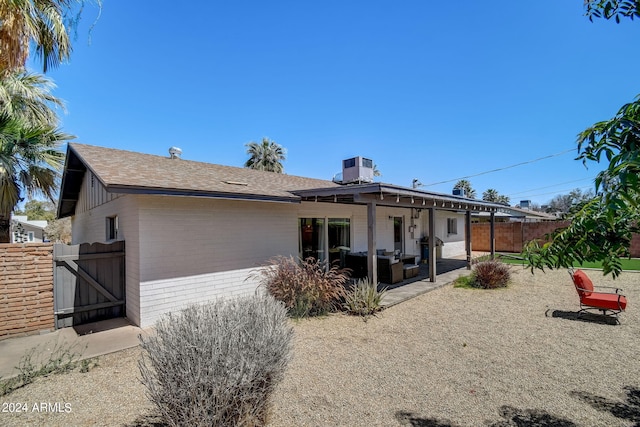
(122,171)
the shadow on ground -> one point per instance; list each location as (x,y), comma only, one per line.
(413,420)
(147,421)
(511,417)
(582,317)
(628,411)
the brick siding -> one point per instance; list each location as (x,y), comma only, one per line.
(26,289)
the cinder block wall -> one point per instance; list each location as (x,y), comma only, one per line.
(26,289)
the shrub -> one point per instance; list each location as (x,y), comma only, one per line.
(490,275)
(63,358)
(217,364)
(363,298)
(307,288)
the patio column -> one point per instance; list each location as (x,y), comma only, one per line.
(467,237)
(372,261)
(432,245)
(492,236)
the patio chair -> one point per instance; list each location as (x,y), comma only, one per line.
(610,303)
(390,270)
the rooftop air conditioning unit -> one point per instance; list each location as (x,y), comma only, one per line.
(460,192)
(357,169)
(525,204)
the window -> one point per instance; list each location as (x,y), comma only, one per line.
(398,234)
(452,226)
(31,236)
(112,228)
(312,238)
(320,237)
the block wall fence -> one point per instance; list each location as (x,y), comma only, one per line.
(513,236)
(26,289)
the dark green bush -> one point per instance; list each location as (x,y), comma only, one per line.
(217,364)
(363,298)
(490,275)
(307,288)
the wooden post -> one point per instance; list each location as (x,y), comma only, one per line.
(432,245)
(467,237)
(492,236)
(372,259)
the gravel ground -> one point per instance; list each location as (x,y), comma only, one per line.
(451,357)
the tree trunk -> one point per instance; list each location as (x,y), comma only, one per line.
(5,222)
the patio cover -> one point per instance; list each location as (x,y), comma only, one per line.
(379,194)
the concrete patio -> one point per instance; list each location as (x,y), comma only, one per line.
(448,270)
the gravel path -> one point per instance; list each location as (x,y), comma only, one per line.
(451,357)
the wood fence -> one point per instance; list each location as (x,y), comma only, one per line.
(513,236)
(89,282)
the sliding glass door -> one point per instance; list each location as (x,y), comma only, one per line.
(324,237)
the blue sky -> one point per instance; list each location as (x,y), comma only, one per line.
(428,90)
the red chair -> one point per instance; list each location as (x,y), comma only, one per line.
(609,303)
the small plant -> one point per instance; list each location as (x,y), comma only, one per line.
(464,282)
(63,358)
(307,288)
(217,364)
(88,364)
(363,298)
(490,275)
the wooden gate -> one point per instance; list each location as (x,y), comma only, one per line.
(88,283)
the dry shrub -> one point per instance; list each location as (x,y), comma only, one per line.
(307,288)
(217,364)
(490,275)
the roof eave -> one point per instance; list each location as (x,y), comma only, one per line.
(126,189)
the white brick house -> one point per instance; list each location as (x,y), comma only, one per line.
(194,231)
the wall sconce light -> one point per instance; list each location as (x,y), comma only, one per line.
(398,198)
(412,201)
(390,218)
(423,202)
(381,196)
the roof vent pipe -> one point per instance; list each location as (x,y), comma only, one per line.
(175,152)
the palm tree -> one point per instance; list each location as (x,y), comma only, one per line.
(30,160)
(41,23)
(465,185)
(27,97)
(267,156)
(492,195)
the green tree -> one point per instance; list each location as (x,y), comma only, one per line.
(563,203)
(465,185)
(38,210)
(30,161)
(601,228)
(266,156)
(609,9)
